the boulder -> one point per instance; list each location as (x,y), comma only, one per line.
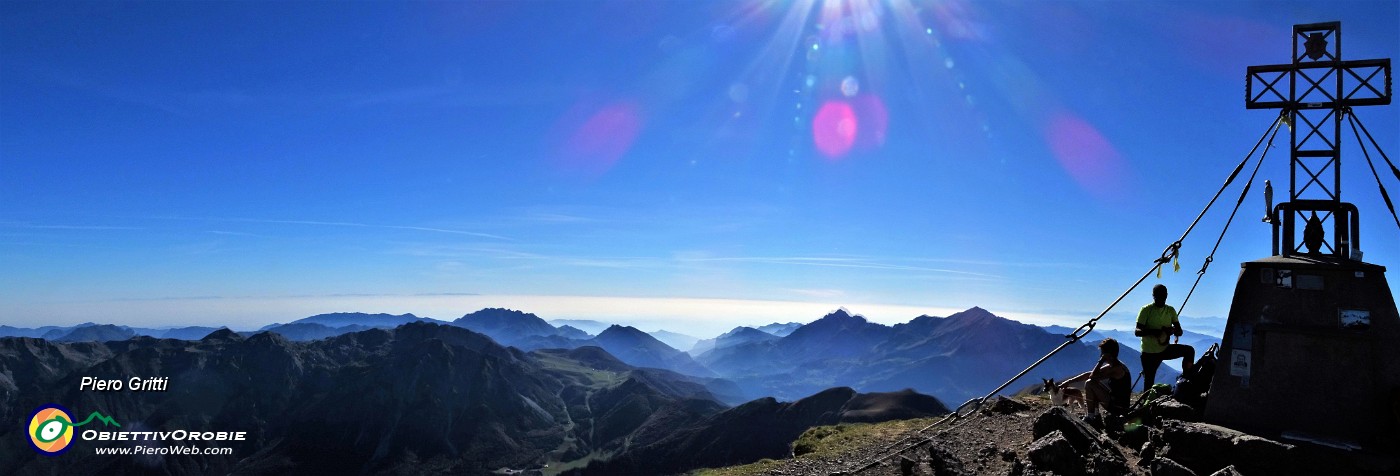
(1054,453)
(944,462)
(1005,406)
(1174,410)
(1079,434)
(1227,471)
(1098,456)
(1135,438)
(1105,459)
(1206,448)
(906,466)
(1167,467)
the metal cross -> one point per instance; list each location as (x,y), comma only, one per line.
(1321,89)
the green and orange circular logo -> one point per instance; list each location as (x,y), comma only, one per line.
(51,429)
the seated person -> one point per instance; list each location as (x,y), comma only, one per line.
(1109,383)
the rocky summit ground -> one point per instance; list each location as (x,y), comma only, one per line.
(995,440)
(1026,436)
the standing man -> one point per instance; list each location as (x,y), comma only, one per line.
(1156,324)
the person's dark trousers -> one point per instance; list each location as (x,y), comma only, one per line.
(1150,362)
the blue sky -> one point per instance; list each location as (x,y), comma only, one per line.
(678,164)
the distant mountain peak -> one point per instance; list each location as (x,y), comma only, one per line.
(974,312)
(501,312)
(506,325)
(779,329)
(621,330)
(224,334)
(842,314)
(739,331)
(359,314)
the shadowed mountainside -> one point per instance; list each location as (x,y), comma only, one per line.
(763,428)
(418,398)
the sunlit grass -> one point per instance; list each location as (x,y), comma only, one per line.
(827,443)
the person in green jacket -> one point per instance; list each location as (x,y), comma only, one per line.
(1156,324)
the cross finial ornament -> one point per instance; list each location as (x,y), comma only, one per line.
(1316,46)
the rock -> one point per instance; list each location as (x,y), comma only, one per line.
(906,466)
(1054,453)
(987,452)
(1202,448)
(1005,406)
(1262,455)
(1105,459)
(1153,445)
(1227,471)
(1206,448)
(1167,467)
(1174,410)
(1100,456)
(1018,468)
(1135,439)
(944,462)
(1079,434)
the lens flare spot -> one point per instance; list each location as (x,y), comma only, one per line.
(834,129)
(739,93)
(874,120)
(850,86)
(597,143)
(1088,157)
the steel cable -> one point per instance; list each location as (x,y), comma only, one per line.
(1243,193)
(1352,118)
(1171,251)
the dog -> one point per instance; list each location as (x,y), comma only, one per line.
(1063,397)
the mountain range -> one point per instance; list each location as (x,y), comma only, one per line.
(1196,340)
(956,358)
(499,388)
(419,398)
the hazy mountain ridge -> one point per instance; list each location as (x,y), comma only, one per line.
(780,330)
(676,340)
(641,349)
(955,358)
(343,319)
(1199,341)
(93,332)
(590,326)
(739,335)
(742,335)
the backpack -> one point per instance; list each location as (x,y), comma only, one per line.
(1193,387)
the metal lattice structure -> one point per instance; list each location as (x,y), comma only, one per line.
(1321,88)
(1308,350)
